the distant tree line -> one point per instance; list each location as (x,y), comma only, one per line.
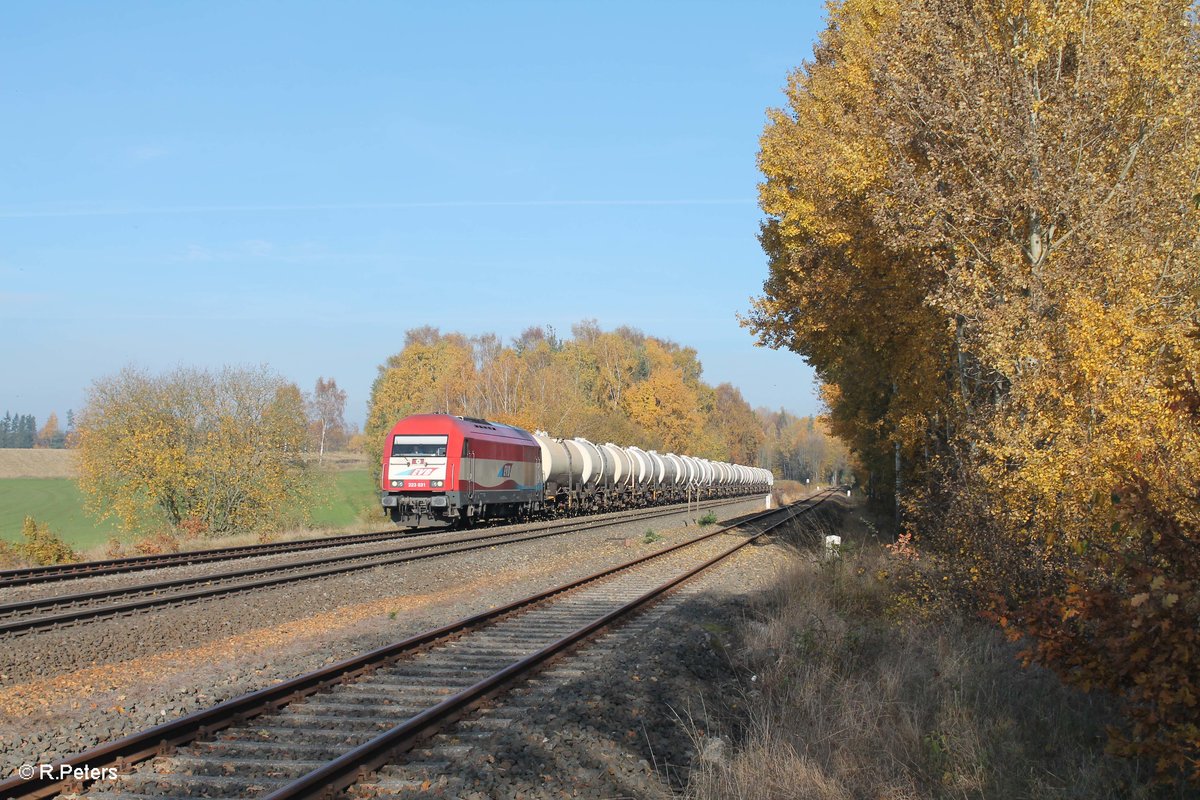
(203,452)
(802,448)
(21,431)
(18,431)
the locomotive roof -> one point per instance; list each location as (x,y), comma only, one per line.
(470,427)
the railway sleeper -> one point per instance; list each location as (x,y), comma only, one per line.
(467,677)
(422,691)
(224,766)
(293,724)
(162,785)
(254,748)
(390,709)
(283,734)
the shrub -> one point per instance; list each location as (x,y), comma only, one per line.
(651,536)
(42,546)
(708,519)
(193,527)
(9,556)
(156,543)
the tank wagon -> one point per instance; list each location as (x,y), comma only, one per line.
(461,469)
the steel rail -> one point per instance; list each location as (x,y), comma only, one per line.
(229,582)
(130,749)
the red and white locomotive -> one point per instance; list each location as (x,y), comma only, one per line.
(450,468)
(460,469)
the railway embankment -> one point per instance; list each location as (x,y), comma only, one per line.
(852,681)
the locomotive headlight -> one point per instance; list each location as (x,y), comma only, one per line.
(397,484)
(436,484)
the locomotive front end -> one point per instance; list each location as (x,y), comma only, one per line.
(414,477)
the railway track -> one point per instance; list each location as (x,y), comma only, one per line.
(47,613)
(323,731)
(24,576)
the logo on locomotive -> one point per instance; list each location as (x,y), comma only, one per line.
(505,471)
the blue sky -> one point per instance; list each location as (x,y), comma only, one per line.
(297,184)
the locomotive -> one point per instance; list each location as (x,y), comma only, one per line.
(455,469)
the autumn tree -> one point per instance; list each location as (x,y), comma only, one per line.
(326,414)
(51,435)
(432,373)
(217,452)
(982,232)
(741,432)
(839,292)
(619,385)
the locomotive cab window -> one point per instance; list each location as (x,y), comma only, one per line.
(422,446)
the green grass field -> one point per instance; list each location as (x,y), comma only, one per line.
(55,501)
(342,498)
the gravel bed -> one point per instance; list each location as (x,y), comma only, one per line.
(66,690)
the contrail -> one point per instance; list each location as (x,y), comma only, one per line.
(234,209)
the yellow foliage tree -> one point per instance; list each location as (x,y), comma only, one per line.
(840,291)
(620,386)
(218,452)
(983,233)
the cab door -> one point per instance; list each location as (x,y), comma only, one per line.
(468,459)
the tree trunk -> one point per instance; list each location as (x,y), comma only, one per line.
(897,488)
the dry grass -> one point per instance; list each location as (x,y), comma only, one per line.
(339,460)
(856,698)
(787,492)
(26,463)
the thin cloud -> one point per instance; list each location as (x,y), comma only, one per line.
(237,209)
(148,152)
(24,299)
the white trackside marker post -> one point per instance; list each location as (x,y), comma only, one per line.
(833,547)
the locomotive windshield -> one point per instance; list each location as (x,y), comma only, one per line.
(425,446)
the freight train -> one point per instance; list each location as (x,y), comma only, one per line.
(439,467)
